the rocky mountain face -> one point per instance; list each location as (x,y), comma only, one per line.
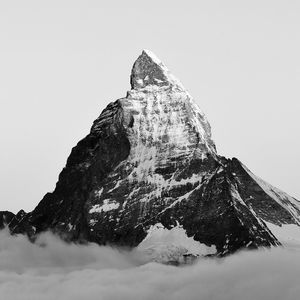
(148,176)
(5,218)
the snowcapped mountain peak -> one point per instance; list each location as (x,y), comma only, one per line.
(148,176)
(149,70)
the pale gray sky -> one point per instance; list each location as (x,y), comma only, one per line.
(62,62)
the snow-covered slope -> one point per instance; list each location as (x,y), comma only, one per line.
(168,245)
(283,199)
(286,231)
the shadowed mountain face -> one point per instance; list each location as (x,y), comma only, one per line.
(148,176)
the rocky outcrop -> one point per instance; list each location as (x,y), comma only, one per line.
(148,176)
(5,218)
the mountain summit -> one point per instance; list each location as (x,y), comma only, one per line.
(148,70)
(148,176)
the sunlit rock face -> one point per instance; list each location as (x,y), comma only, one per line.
(149,171)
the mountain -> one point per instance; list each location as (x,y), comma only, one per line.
(148,176)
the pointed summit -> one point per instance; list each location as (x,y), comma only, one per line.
(149,70)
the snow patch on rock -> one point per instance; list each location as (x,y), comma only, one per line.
(93,222)
(165,245)
(106,206)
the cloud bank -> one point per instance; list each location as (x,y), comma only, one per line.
(52,269)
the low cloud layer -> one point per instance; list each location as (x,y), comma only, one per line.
(55,270)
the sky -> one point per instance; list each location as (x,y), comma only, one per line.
(62,62)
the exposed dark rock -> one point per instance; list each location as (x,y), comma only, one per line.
(5,218)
